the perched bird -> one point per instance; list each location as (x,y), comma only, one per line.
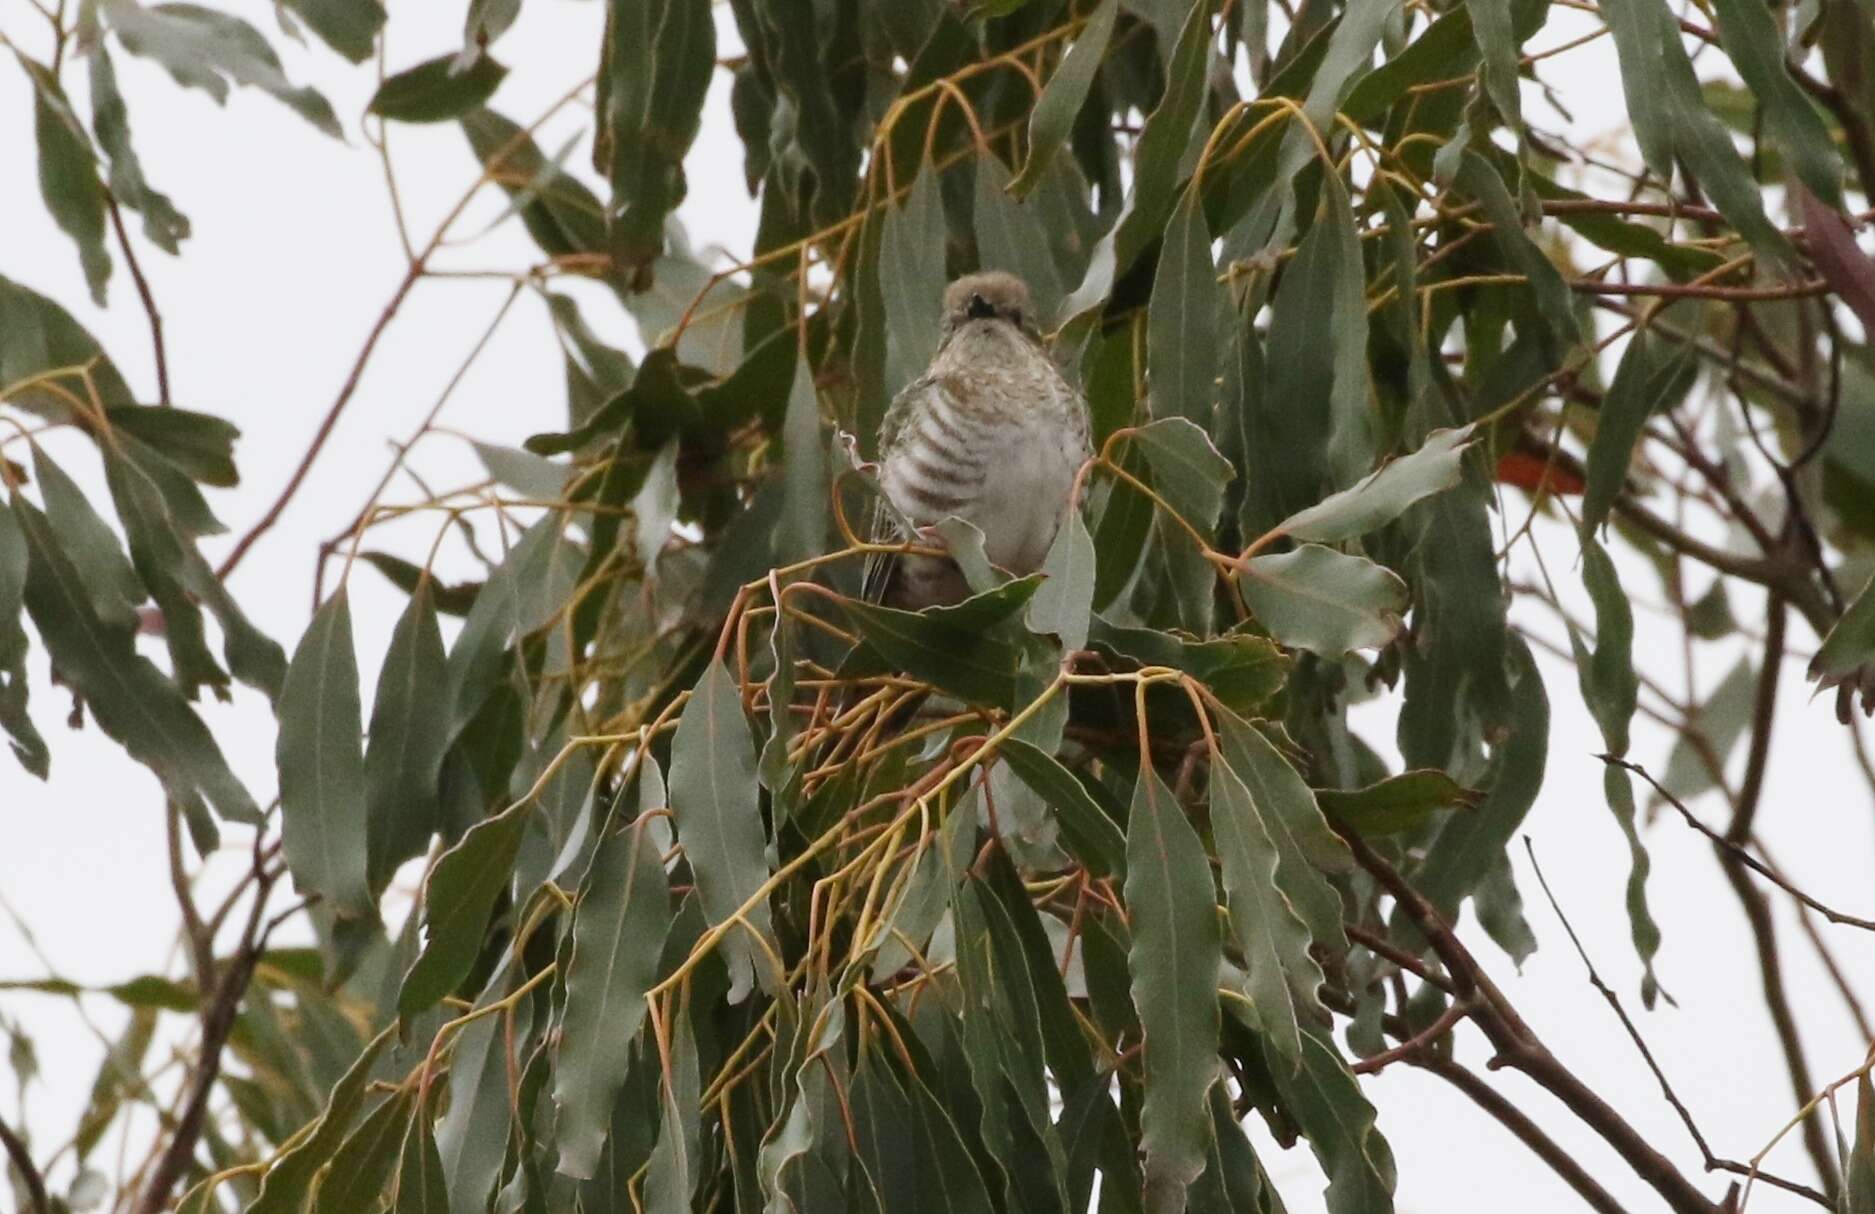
(990,433)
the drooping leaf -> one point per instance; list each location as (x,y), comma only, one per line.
(322,766)
(457,900)
(911,264)
(437,90)
(110,122)
(1671,120)
(1386,493)
(130,699)
(405,744)
(1174,962)
(672,1173)
(1610,687)
(27,746)
(562,215)
(421,1188)
(801,531)
(1846,653)
(287,1182)
(1653,375)
(1324,601)
(714,803)
(522,595)
(362,1165)
(1618,789)
(206,49)
(1859,1175)
(655,66)
(960,648)
(1282,977)
(68,175)
(1064,95)
(1091,833)
(38,338)
(349,27)
(618,934)
(1181,328)
(1187,470)
(1755,44)
(1339,1122)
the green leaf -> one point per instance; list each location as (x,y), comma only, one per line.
(1652,377)
(287,1182)
(1092,835)
(437,90)
(562,215)
(1849,646)
(450,598)
(1671,120)
(1182,327)
(1306,847)
(1162,145)
(1187,470)
(1064,602)
(1386,493)
(961,649)
(404,747)
(715,804)
(322,766)
(457,900)
(364,1162)
(119,1076)
(68,175)
(1281,976)
(131,700)
(205,49)
(1063,96)
(1174,961)
(1007,231)
(911,264)
(1755,44)
(618,934)
(1610,687)
(38,336)
(199,444)
(673,1171)
(28,747)
(349,27)
(420,1185)
(801,532)
(1397,803)
(1859,1175)
(532,476)
(523,594)
(1324,601)
(1497,38)
(1618,789)
(655,65)
(1339,1122)
(1697,760)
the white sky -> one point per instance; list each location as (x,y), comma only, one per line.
(293,256)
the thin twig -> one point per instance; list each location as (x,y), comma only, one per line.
(149,300)
(1738,852)
(1419,1043)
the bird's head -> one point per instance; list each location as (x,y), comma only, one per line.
(992,296)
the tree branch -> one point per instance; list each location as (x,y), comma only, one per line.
(149,300)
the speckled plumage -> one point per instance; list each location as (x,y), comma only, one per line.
(990,433)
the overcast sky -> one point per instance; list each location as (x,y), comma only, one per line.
(293,257)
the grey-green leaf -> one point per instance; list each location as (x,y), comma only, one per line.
(654,69)
(1282,977)
(1174,962)
(349,27)
(1064,94)
(322,766)
(288,1180)
(457,900)
(618,933)
(404,747)
(1653,375)
(1386,493)
(715,804)
(1324,601)
(1182,337)
(68,175)
(28,747)
(1064,602)
(437,90)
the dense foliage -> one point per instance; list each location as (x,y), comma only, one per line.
(709,918)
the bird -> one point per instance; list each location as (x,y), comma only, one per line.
(990,433)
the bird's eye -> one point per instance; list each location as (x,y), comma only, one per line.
(979,308)
(1015,317)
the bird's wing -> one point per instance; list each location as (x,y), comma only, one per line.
(888,526)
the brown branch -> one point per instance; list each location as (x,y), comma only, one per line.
(1419,1043)
(1713,1162)
(218,1017)
(1527,1131)
(28,1170)
(1380,946)
(149,300)
(1678,290)
(1519,1047)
